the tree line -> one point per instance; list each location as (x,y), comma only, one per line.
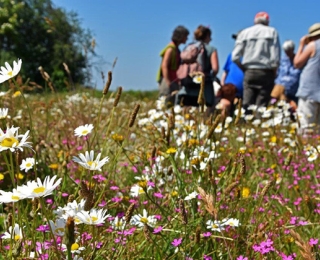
(46,36)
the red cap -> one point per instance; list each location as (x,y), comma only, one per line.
(262,15)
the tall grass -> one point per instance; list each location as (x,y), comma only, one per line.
(178,185)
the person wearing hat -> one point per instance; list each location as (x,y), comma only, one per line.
(287,81)
(259,48)
(308,59)
(232,75)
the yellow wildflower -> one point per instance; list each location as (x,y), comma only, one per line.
(245,192)
(16,94)
(174,193)
(54,166)
(273,139)
(117,138)
(20,176)
(171,150)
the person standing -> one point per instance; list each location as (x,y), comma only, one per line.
(233,75)
(259,48)
(308,58)
(208,63)
(287,81)
(167,73)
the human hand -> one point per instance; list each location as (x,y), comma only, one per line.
(304,40)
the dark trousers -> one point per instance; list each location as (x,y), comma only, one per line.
(257,87)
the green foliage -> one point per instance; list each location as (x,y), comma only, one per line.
(44,35)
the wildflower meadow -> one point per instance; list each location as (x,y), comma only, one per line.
(84,176)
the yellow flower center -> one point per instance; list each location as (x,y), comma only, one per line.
(10,73)
(28,164)
(144,220)
(214,226)
(74,246)
(94,219)
(17,237)
(1,176)
(39,190)
(77,220)
(84,132)
(118,223)
(195,161)
(9,142)
(140,191)
(231,224)
(142,183)
(14,197)
(91,163)
(59,230)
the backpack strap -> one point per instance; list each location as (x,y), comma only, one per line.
(173,64)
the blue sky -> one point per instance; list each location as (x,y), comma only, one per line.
(136,31)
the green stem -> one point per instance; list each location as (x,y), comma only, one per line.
(43,208)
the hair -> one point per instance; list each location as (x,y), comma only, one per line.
(201,33)
(288,45)
(261,20)
(179,33)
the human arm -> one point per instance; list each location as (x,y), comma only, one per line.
(223,77)
(305,51)
(214,62)
(276,52)
(165,65)
(238,52)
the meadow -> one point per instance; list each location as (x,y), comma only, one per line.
(100,175)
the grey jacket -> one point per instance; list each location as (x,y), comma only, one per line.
(258,46)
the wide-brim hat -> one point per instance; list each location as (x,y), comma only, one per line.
(314,30)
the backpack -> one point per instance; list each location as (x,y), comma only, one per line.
(193,59)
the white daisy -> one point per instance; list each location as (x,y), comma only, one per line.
(36,189)
(11,140)
(242,111)
(3,113)
(191,196)
(15,233)
(58,226)
(253,107)
(83,130)
(214,225)
(248,117)
(312,157)
(8,197)
(144,219)
(75,249)
(197,79)
(232,222)
(70,210)
(136,190)
(118,223)
(93,217)
(27,164)
(7,72)
(87,161)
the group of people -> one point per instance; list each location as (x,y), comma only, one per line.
(254,71)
